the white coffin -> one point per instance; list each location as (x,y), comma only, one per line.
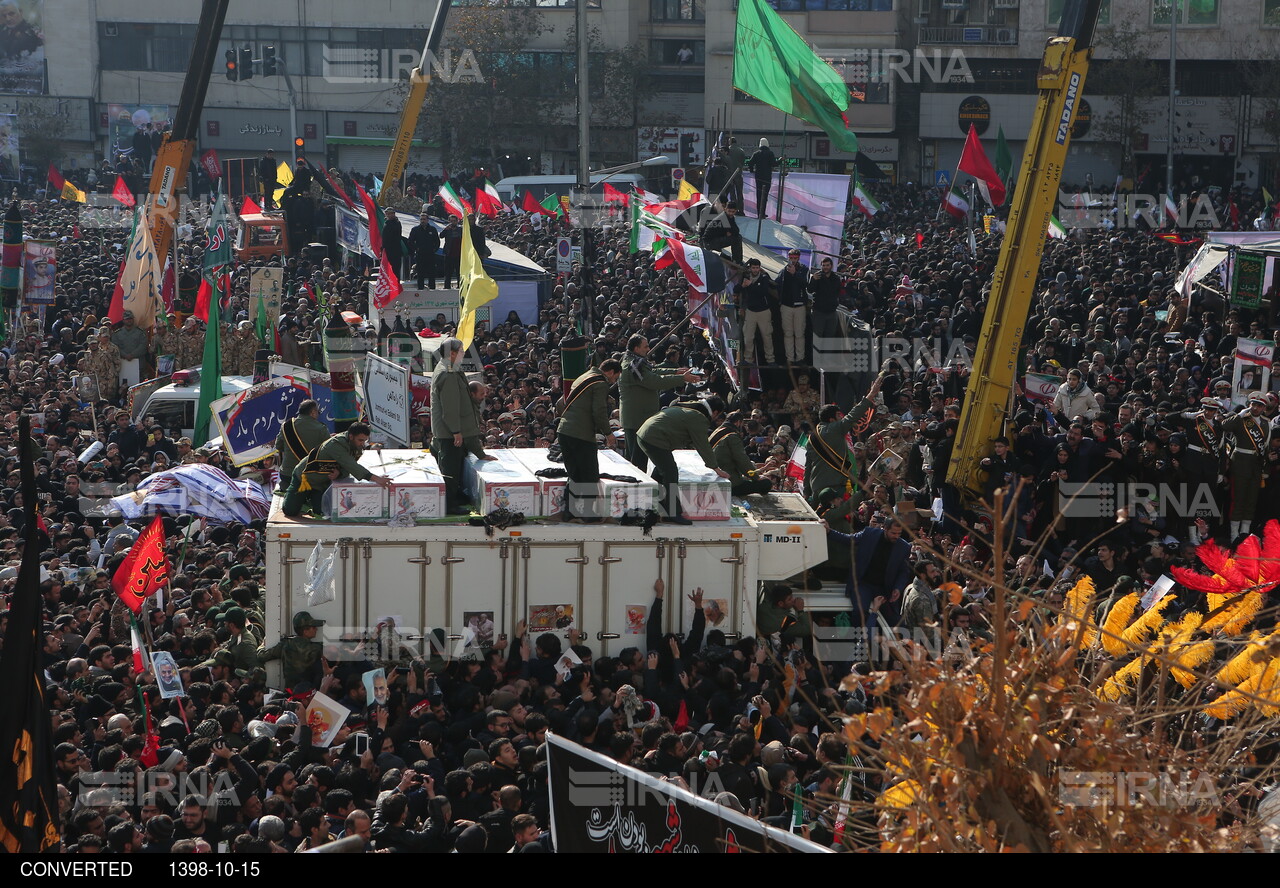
(504,482)
(704,495)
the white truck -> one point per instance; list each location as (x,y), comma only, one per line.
(599,578)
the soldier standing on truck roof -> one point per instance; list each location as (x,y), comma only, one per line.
(584,416)
(638,390)
(299,654)
(828,463)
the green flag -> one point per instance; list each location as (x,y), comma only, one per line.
(774,64)
(260,323)
(551,203)
(210,373)
(1004,159)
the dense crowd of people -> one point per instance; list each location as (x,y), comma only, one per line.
(454,760)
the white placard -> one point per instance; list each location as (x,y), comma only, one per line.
(386,397)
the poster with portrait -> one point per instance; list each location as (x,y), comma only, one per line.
(550,617)
(326,717)
(167,676)
(39,266)
(9,147)
(376,690)
(481,623)
(266,289)
(564,666)
(637,616)
(126,121)
(22,60)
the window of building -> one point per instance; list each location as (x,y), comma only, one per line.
(591,4)
(677,52)
(1271,12)
(1055,13)
(866,86)
(676,83)
(1190,12)
(677,10)
(129,46)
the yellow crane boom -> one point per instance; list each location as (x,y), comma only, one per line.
(419,80)
(989,393)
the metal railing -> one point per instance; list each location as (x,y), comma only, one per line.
(998,35)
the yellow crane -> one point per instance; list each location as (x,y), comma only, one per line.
(989,394)
(419,80)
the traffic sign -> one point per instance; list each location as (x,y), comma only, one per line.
(677,174)
(942,179)
(564,255)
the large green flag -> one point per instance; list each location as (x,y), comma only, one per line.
(1004,159)
(775,64)
(210,374)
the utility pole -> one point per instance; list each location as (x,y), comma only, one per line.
(584,164)
(1173,93)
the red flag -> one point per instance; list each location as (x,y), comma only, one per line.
(311,294)
(44,528)
(115,313)
(122,193)
(250,206)
(375,233)
(531,204)
(1235,214)
(55,178)
(919,239)
(205,293)
(212,169)
(973,160)
(388,286)
(612,194)
(75,231)
(144,570)
(168,285)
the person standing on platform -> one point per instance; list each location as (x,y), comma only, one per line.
(638,389)
(424,244)
(828,462)
(685,425)
(584,416)
(762,164)
(267,171)
(453,419)
(792,283)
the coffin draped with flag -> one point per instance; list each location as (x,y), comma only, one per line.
(200,490)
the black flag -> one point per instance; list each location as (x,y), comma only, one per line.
(28,792)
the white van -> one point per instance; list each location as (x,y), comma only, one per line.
(173,405)
(514,187)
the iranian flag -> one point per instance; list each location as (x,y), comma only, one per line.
(1170,212)
(1056,231)
(795,465)
(1040,386)
(135,637)
(671,210)
(454,204)
(672,251)
(863,200)
(956,205)
(487,201)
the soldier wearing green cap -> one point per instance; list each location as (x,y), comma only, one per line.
(299,654)
(242,644)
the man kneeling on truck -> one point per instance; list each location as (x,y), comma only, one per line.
(339,457)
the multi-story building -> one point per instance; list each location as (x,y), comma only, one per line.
(920,72)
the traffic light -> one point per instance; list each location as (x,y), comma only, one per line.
(246,63)
(232,65)
(268,61)
(299,148)
(686,149)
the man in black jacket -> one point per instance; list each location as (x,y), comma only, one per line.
(721,231)
(267,178)
(826,287)
(424,244)
(757,302)
(762,164)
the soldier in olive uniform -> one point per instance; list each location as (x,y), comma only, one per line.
(1203,462)
(339,457)
(731,454)
(299,436)
(1251,434)
(828,463)
(685,425)
(166,340)
(190,346)
(638,390)
(453,421)
(240,349)
(104,365)
(585,414)
(242,644)
(299,654)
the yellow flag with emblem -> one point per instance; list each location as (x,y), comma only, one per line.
(284,178)
(475,286)
(71,192)
(687,191)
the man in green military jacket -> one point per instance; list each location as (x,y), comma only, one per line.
(299,654)
(731,454)
(828,463)
(299,436)
(685,425)
(339,457)
(242,643)
(453,421)
(585,415)
(638,390)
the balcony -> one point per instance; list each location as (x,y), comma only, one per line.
(990,35)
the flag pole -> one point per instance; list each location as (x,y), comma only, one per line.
(782,171)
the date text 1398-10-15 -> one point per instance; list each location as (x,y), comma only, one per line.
(220,868)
